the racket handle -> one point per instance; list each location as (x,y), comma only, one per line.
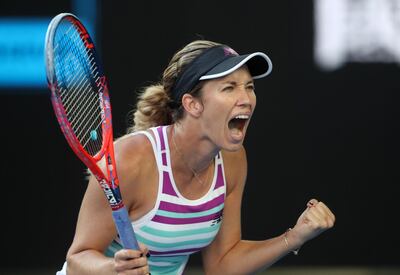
(125,229)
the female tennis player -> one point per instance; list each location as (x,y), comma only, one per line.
(182,170)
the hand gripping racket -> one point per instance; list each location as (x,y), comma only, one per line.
(80,99)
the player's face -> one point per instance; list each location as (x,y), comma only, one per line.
(228,105)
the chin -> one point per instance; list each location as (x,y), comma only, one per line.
(233,147)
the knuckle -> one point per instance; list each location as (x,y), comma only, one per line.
(139,262)
(314,226)
(332,222)
(118,267)
(146,269)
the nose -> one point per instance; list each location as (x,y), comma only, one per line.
(244,97)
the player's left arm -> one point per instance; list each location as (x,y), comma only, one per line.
(228,253)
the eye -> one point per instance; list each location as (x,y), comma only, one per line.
(250,87)
(227,88)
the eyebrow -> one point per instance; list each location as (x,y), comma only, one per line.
(235,83)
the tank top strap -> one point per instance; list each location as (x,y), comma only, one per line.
(152,142)
(162,146)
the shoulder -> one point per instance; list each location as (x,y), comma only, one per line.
(235,166)
(130,145)
(133,153)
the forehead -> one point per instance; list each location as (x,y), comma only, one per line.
(241,75)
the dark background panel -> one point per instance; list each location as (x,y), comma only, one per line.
(328,135)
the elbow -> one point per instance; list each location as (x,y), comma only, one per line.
(73,260)
(71,263)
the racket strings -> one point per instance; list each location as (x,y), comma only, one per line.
(77,75)
(80,84)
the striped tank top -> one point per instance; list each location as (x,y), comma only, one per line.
(177,227)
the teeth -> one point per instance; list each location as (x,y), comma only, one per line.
(242,117)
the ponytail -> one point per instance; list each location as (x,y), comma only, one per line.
(152,109)
(154,106)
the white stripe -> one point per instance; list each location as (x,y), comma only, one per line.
(178,227)
(182,201)
(149,215)
(161,263)
(182,268)
(166,240)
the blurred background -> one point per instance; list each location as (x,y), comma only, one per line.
(325,124)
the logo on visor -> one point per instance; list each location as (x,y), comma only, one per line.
(229,51)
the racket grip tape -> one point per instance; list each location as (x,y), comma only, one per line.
(125,229)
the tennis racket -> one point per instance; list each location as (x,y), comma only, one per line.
(79,95)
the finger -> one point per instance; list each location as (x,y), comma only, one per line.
(312,202)
(327,215)
(325,220)
(143,270)
(323,210)
(319,207)
(127,254)
(327,210)
(330,217)
(314,208)
(144,249)
(136,265)
(315,218)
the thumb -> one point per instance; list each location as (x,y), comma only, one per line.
(311,203)
(144,250)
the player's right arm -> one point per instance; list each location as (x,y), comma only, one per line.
(95,228)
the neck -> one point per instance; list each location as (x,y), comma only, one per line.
(196,152)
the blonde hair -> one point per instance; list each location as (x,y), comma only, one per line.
(155,106)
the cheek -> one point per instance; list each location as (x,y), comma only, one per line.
(253,100)
(215,113)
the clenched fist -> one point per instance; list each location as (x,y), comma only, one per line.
(313,221)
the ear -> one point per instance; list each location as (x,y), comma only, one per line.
(192,105)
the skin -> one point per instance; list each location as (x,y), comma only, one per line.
(200,135)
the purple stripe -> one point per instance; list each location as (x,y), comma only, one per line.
(178,208)
(152,252)
(168,220)
(220,177)
(167,185)
(160,134)
(164,158)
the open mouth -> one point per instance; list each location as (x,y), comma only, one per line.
(236,125)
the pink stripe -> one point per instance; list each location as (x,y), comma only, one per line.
(164,158)
(178,208)
(167,185)
(220,177)
(169,220)
(160,134)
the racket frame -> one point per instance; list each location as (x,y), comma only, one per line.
(108,182)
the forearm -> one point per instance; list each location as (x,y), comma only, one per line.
(90,262)
(247,257)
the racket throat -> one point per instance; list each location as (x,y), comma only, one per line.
(113,195)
